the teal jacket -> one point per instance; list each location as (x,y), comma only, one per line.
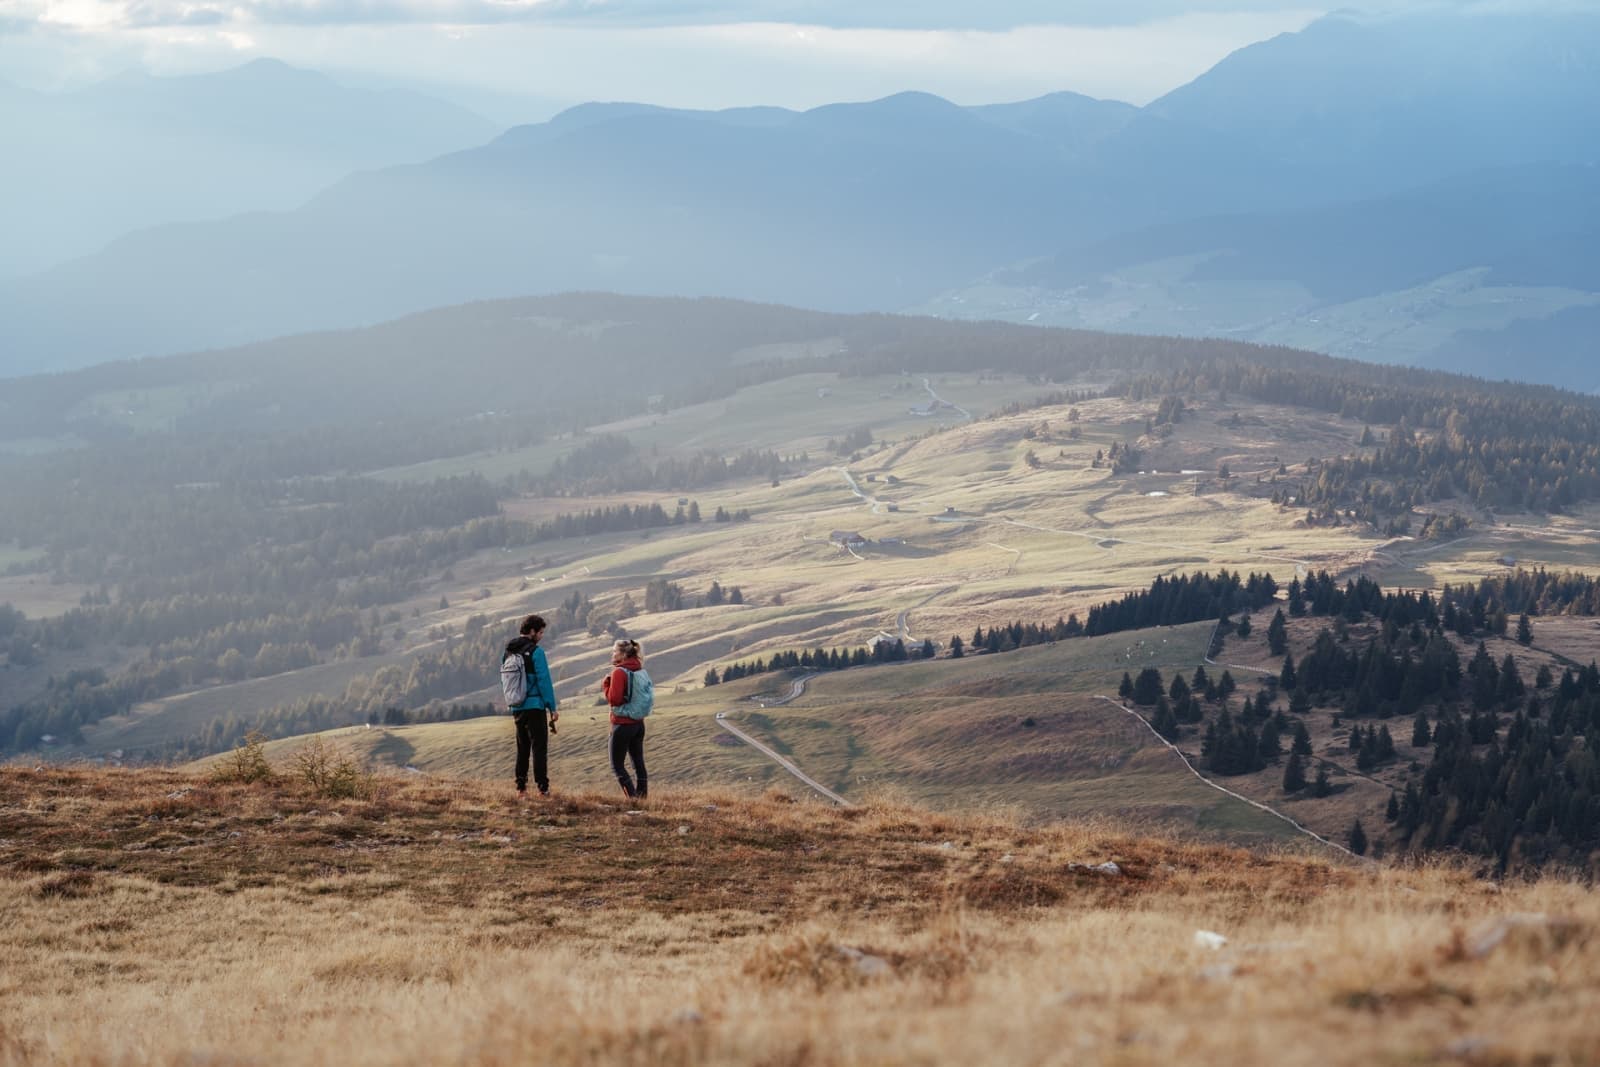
(541,693)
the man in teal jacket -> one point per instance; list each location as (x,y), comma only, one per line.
(536,716)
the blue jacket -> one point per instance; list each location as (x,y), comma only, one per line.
(541,693)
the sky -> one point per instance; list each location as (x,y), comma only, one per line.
(684,53)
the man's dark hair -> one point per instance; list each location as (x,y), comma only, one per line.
(530,624)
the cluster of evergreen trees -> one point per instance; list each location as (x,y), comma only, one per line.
(1168,602)
(821,659)
(1525,795)
(1182,599)
(612,463)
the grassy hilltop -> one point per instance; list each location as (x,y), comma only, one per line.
(438,920)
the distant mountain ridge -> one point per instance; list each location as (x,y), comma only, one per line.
(884,205)
(137,150)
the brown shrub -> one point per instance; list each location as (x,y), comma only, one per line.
(331,773)
(246,763)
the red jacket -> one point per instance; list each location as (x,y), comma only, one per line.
(615,687)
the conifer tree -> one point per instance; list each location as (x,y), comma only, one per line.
(1270,745)
(1524,631)
(1510,689)
(1277,634)
(1421,736)
(1125,690)
(1302,740)
(1322,786)
(1358,839)
(1392,812)
(957,651)
(1147,689)
(1294,774)
(1164,721)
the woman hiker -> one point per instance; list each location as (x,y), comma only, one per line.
(631,694)
(536,716)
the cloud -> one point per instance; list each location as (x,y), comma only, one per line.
(953,15)
(145,15)
(992,16)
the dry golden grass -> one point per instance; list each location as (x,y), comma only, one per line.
(157,918)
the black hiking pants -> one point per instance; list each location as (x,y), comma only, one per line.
(533,733)
(627,741)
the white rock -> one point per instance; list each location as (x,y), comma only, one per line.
(1209,939)
(866,964)
(1544,929)
(869,966)
(1108,868)
(683,831)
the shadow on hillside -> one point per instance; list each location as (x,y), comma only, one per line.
(901,551)
(395,750)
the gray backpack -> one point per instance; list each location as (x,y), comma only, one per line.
(514,680)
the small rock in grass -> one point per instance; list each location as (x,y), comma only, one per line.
(866,964)
(1535,931)
(1209,939)
(1108,868)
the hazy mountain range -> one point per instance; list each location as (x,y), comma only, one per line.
(1298,192)
(85,167)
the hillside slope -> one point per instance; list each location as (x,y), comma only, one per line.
(440,920)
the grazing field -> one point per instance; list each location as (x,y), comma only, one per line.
(13,555)
(39,596)
(1023,729)
(791,416)
(434,920)
(149,410)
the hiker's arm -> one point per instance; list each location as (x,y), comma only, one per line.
(616,685)
(541,677)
